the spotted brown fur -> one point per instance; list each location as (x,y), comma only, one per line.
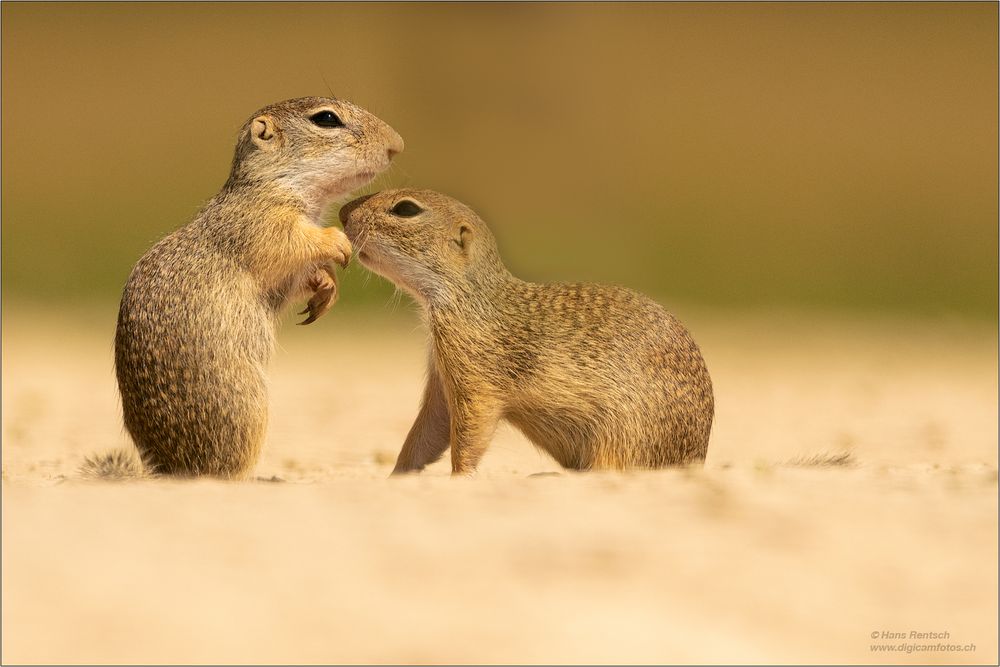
(198,314)
(600,377)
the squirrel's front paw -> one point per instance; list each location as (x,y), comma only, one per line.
(323,283)
(340,246)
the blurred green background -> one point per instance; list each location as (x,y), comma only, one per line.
(723,155)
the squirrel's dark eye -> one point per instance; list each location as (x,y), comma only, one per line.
(326,119)
(406,209)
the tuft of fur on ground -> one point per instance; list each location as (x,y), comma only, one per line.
(119,464)
(825,460)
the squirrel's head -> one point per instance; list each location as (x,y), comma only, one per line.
(429,244)
(317,148)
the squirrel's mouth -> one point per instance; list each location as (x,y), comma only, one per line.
(369,262)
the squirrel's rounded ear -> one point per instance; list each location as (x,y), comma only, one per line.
(464,236)
(263,131)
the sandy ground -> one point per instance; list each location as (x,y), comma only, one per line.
(748,560)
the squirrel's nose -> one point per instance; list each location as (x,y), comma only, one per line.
(395,146)
(345,211)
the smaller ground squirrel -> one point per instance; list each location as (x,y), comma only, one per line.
(197,319)
(599,377)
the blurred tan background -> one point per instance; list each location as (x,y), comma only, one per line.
(812,188)
(734,155)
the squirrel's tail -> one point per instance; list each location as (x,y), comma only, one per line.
(119,464)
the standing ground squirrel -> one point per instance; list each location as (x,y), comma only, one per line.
(599,377)
(198,315)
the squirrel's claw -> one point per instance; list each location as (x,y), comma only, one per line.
(324,285)
(309,320)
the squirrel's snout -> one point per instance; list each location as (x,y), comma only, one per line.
(347,208)
(345,211)
(395,144)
